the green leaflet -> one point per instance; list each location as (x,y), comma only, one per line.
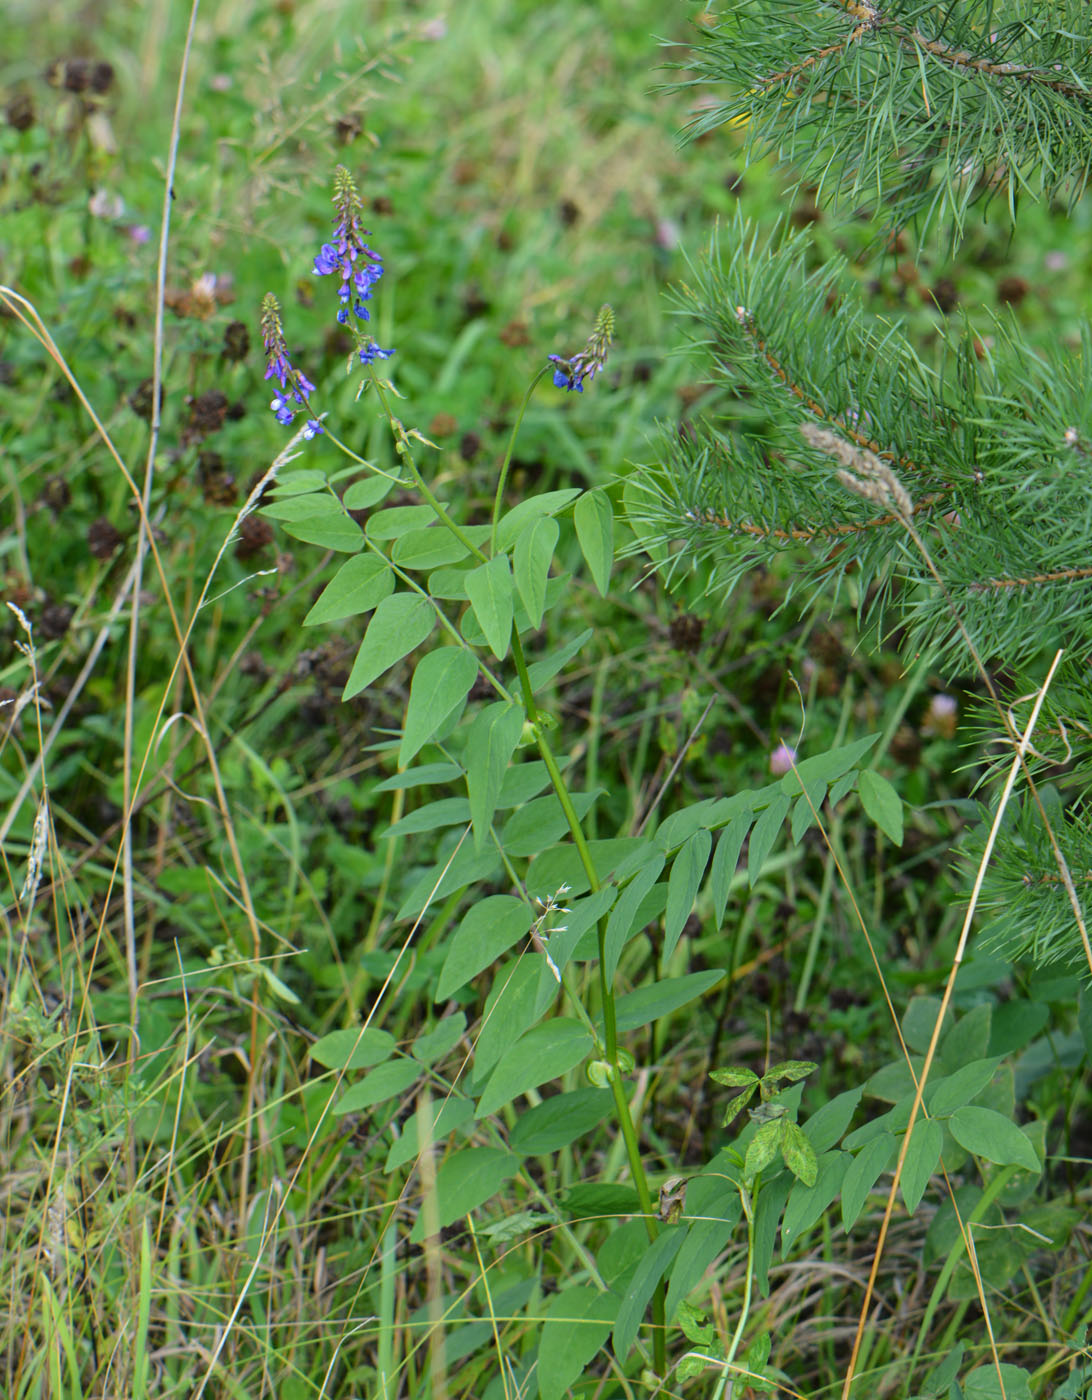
(656,1261)
(861,1176)
(687,872)
(578,1322)
(531,560)
(522,990)
(763,836)
(331,530)
(441,682)
(489,588)
(557,1121)
(649,1003)
(354,1049)
(882,803)
(525,513)
(807,1203)
(593,516)
(546,1052)
(725,860)
(494,733)
(989,1134)
(397,521)
(488,929)
(622,921)
(465,1181)
(358,586)
(386,1082)
(399,624)
(450,1114)
(921,1160)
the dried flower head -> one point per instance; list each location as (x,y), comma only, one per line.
(861,471)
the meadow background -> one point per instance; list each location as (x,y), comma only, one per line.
(189,1204)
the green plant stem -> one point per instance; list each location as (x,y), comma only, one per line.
(737,1336)
(993,1189)
(498,499)
(401,439)
(537,723)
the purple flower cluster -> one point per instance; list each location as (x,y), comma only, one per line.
(294,385)
(570,374)
(358,266)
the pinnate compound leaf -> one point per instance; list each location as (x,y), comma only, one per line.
(593,516)
(531,562)
(882,803)
(358,586)
(546,1052)
(489,588)
(400,623)
(687,872)
(441,682)
(989,1134)
(577,1324)
(489,928)
(494,733)
(466,1181)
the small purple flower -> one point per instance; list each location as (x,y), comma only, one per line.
(570,374)
(312,428)
(370,352)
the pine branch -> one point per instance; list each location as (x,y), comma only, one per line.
(917,110)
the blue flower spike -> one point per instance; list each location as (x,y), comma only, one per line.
(358,266)
(571,374)
(295,386)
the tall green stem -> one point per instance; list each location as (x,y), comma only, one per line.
(535,719)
